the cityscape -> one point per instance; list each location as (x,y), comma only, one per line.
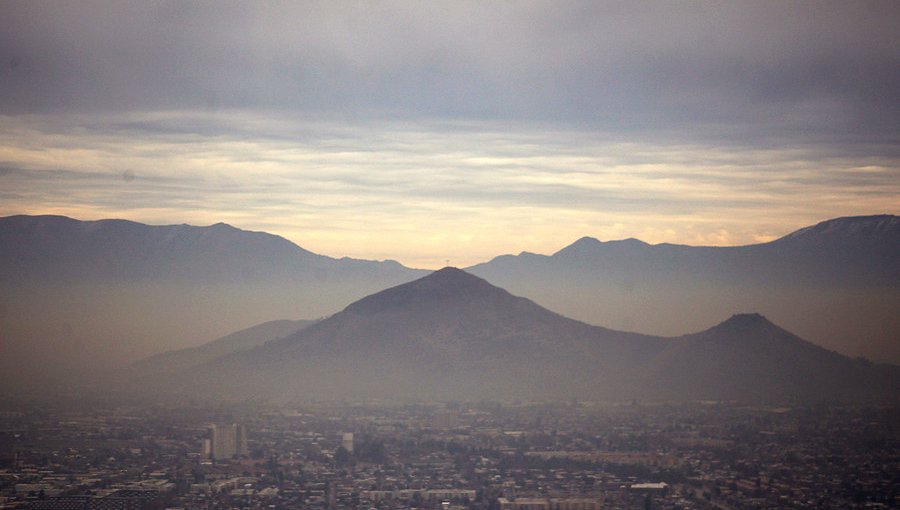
(432,255)
(483,455)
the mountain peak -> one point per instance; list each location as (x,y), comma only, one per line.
(745,323)
(854,226)
(585,242)
(444,285)
(450,279)
(223,226)
(588,245)
(753,318)
(450,273)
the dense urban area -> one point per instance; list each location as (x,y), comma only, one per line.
(380,455)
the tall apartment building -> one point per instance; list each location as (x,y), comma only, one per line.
(347,441)
(226,441)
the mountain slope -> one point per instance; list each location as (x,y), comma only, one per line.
(453,335)
(836,283)
(446,335)
(243,340)
(78,297)
(749,358)
(57,248)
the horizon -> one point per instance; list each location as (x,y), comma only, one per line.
(461,255)
(422,132)
(451,263)
(833,283)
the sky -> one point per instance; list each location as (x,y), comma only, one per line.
(432,131)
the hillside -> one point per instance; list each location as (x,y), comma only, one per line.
(836,283)
(85,297)
(183,359)
(451,335)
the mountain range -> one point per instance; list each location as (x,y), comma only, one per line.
(63,250)
(80,297)
(836,283)
(451,335)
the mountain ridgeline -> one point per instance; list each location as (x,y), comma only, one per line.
(171,362)
(80,297)
(451,335)
(836,283)
(86,297)
(62,250)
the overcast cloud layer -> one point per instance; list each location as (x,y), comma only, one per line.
(421,130)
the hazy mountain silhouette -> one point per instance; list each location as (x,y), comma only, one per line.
(80,297)
(749,358)
(83,296)
(182,359)
(837,283)
(61,249)
(447,334)
(453,335)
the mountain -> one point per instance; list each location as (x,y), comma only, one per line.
(78,297)
(61,249)
(747,357)
(182,359)
(836,283)
(446,334)
(81,297)
(451,335)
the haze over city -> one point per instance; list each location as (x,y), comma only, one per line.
(456,255)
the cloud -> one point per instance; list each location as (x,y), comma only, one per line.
(415,191)
(754,72)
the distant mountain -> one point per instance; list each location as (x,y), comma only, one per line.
(81,297)
(749,358)
(78,297)
(243,340)
(446,334)
(453,335)
(837,283)
(60,249)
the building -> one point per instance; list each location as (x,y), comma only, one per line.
(445,419)
(524,504)
(649,487)
(347,441)
(226,441)
(550,504)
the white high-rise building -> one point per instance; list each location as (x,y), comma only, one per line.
(226,441)
(347,441)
